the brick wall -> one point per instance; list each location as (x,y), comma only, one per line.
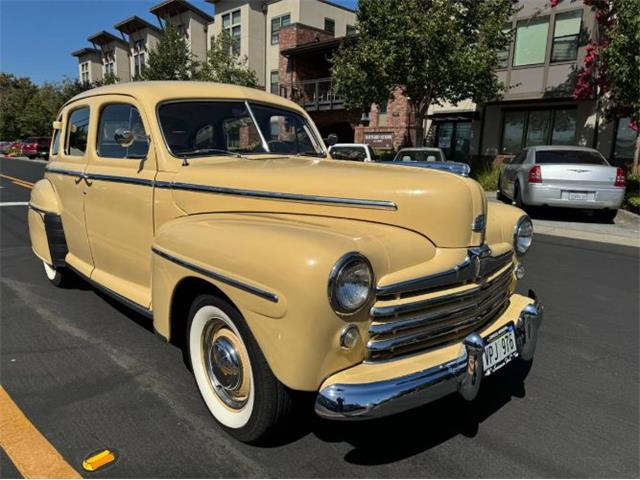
(295,35)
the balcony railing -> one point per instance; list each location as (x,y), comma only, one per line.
(312,95)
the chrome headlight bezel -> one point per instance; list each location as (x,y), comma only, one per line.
(339,269)
(523,222)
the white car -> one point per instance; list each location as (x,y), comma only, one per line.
(357,152)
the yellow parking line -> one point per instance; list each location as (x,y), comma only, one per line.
(21,184)
(28,449)
(14,179)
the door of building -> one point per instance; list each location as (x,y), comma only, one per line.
(454,138)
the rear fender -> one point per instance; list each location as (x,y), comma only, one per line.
(45,225)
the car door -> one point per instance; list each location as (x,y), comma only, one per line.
(511,172)
(65,172)
(119,199)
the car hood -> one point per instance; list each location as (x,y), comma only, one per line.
(440,206)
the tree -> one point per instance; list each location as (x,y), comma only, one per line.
(14,96)
(611,69)
(171,58)
(430,50)
(224,66)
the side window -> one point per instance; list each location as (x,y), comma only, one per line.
(122,120)
(77,131)
(55,148)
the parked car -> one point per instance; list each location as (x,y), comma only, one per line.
(15,148)
(359,152)
(563,176)
(427,157)
(5,146)
(378,288)
(34,147)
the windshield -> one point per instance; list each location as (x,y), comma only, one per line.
(205,127)
(432,155)
(570,156)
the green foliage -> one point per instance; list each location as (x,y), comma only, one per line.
(632,195)
(430,50)
(225,67)
(487,177)
(14,97)
(171,59)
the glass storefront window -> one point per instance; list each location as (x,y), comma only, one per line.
(564,127)
(538,127)
(512,131)
(625,139)
(531,42)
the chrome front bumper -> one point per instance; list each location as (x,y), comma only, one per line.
(463,374)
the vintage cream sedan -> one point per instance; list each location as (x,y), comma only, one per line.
(215,211)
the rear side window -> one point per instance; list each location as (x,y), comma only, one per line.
(56,143)
(121,119)
(570,157)
(77,131)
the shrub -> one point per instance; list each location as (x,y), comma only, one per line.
(487,177)
(632,196)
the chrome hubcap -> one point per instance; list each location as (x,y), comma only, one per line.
(225,359)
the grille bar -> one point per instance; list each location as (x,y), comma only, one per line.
(414,326)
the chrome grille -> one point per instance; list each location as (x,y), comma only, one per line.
(399,328)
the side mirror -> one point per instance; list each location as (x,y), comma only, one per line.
(124,137)
(57,125)
(332,139)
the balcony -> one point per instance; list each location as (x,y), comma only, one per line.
(313,95)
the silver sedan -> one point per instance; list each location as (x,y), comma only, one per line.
(558,176)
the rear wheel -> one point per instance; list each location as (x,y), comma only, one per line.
(232,374)
(500,195)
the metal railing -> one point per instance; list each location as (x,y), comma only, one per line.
(316,94)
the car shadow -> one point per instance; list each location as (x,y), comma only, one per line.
(570,215)
(389,439)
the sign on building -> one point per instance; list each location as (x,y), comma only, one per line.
(379,140)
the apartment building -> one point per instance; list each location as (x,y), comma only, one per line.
(126,56)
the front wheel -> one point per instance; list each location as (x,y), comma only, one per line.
(232,374)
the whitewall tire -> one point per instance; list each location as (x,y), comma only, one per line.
(231,372)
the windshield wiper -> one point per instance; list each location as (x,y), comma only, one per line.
(206,151)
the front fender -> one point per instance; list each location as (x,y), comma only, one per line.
(289,256)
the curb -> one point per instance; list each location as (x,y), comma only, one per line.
(627,215)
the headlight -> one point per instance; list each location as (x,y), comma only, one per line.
(350,284)
(523,235)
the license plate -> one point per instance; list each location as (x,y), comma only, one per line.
(500,349)
(578,196)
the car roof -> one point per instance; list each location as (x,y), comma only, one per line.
(153,92)
(420,149)
(541,148)
(349,145)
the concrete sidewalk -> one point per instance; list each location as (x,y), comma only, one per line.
(580,225)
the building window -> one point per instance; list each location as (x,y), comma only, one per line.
(139,53)
(565,36)
(84,73)
(527,128)
(330,25)
(275,81)
(625,142)
(531,42)
(503,55)
(276,25)
(351,30)
(231,25)
(109,63)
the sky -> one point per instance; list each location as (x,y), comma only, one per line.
(38,36)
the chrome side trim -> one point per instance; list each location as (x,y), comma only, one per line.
(272,297)
(296,197)
(461,273)
(62,171)
(120,179)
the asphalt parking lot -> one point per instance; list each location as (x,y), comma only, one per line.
(90,374)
